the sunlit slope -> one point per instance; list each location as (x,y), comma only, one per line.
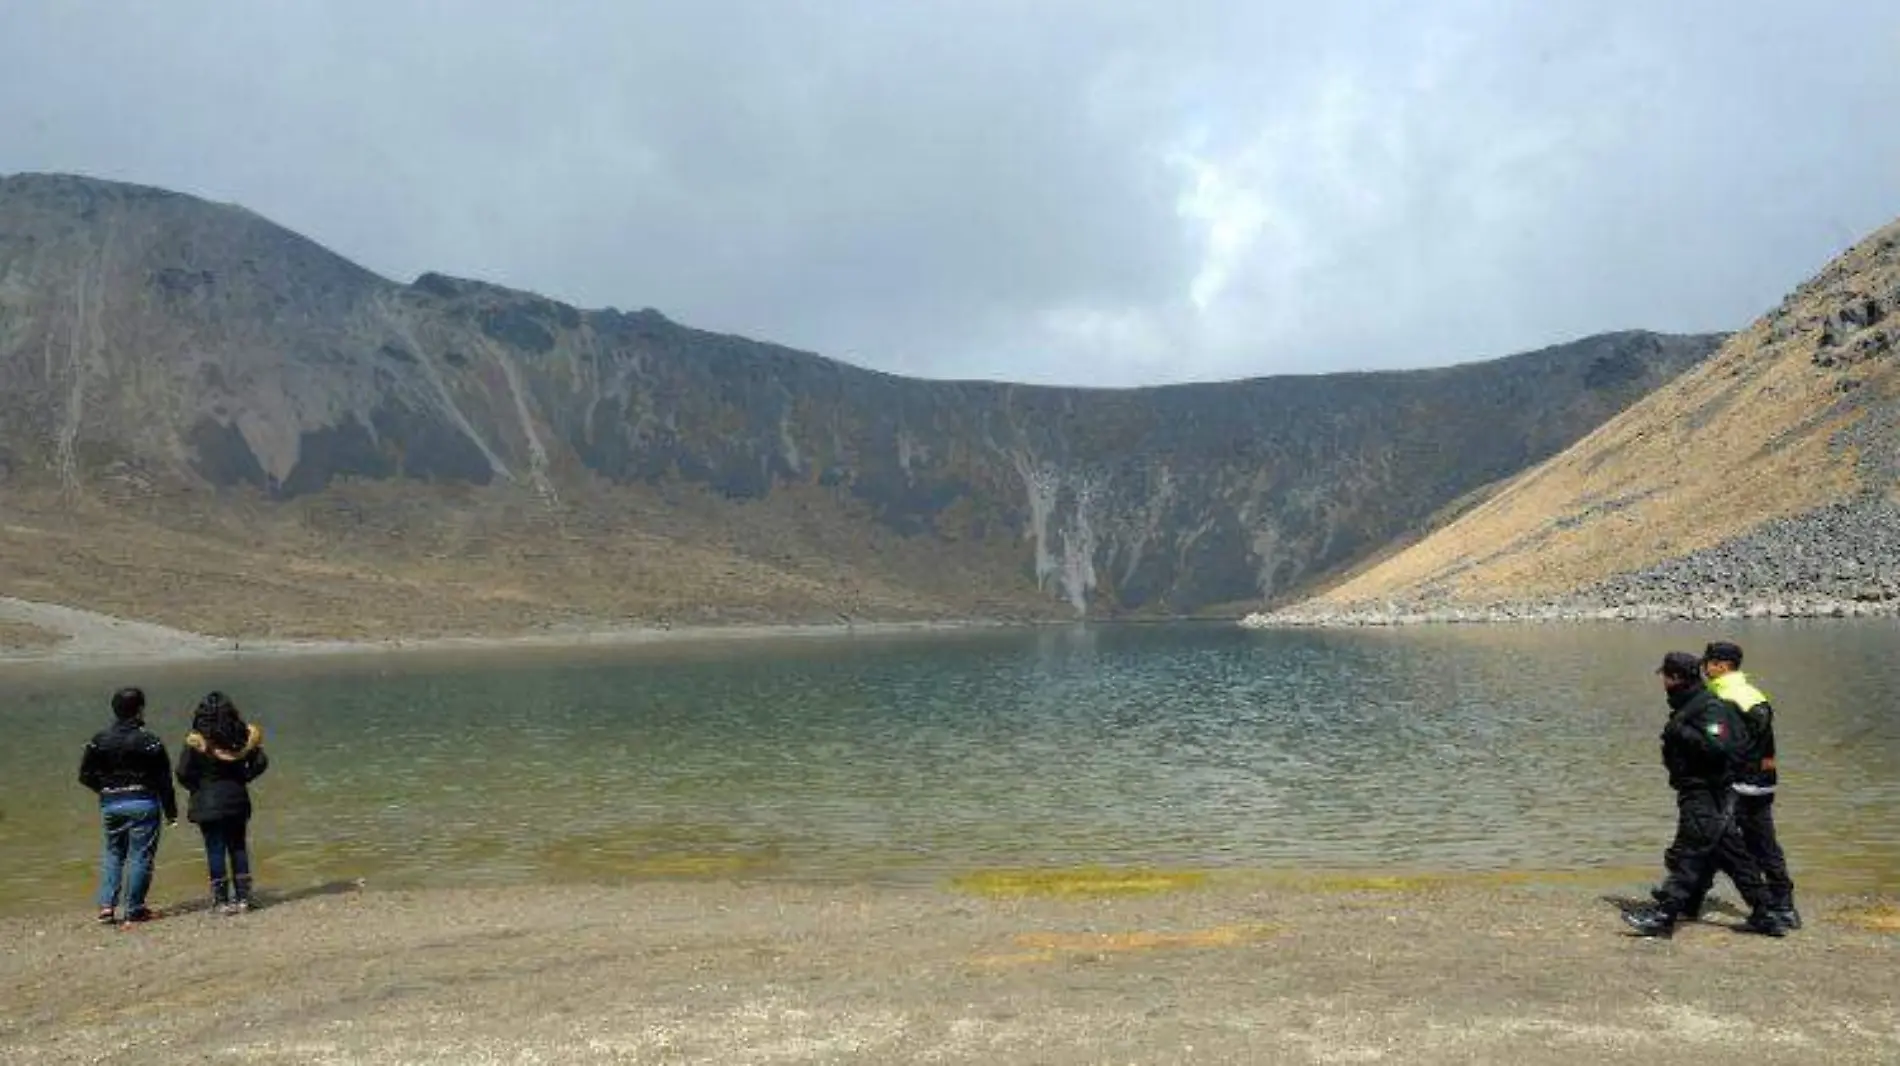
(1794,412)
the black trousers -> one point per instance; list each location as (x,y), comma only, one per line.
(1708,841)
(1755,821)
(229,858)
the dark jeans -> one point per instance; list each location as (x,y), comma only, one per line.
(1708,842)
(229,858)
(131,831)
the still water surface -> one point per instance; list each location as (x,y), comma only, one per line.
(917,758)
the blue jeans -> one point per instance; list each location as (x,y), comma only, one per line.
(228,857)
(131,828)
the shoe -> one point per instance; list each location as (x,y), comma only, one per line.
(242,906)
(139,917)
(1787,916)
(1651,921)
(1690,911)
(1766,923)
(107,916)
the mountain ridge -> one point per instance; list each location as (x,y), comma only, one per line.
(187,362)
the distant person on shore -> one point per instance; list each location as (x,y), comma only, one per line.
(223,754)
(126,764)
(1704,746)
(1755,787)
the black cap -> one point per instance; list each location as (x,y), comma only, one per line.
(1680,664)
(1721,651)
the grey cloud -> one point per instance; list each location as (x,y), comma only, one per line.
(1104,193)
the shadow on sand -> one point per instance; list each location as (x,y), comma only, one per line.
(266,897)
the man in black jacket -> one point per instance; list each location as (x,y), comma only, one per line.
(127,765)
(1704,744)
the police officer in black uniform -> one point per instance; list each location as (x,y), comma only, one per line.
(1755,787)
(1704,744)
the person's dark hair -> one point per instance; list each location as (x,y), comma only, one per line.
(1722,651)
(1681,666)
(128,703)
(217,720)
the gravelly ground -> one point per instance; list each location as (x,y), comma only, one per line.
(785,973)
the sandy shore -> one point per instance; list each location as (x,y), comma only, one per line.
(722,973)
(70,636)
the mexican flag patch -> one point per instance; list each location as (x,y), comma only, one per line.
(1717,730)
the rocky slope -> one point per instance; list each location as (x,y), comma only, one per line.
(202,406)
(1762,482)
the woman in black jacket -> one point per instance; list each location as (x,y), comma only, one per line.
(222,756)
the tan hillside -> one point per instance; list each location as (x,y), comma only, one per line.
(375,561)
(1794,412)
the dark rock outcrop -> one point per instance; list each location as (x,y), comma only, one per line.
(1846,551)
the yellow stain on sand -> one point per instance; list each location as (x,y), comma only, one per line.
(1080,881)
(1050,946)
(1879,917)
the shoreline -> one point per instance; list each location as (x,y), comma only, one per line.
(91,639)
(723,972)
(77,639)
(1348,616)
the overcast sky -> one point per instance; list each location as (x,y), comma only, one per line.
(1068,191)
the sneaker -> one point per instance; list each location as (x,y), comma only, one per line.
(107,916)
(1787,916)
(242,906)
(1651,921)
(139,917)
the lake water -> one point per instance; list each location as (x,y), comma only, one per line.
(919,758)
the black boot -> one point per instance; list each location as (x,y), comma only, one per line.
(1657,921)
(1785,912)
(220,896)
(1691,910)
(1765,922)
